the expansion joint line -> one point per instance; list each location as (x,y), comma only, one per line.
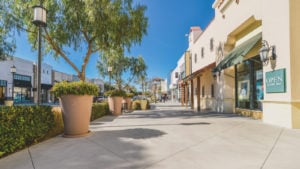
(31,158)
(273,147)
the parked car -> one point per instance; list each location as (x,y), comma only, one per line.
(99,99)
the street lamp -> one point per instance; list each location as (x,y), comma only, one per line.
(39,19)
(109,69)
(13,70)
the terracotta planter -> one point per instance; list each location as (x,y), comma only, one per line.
(76,111)
(115,105)
(129,102)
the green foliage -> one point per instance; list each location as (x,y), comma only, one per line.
(141,105)
(96,26)
(112,93)
(129,94)
(75,88)
(99,110)
(23,125)
(136,105)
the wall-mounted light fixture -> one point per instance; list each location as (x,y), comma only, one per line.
(268,53)
(215,74)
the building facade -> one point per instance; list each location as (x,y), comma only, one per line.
(226,67)
(19,85)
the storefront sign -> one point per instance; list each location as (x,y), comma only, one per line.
(275,81)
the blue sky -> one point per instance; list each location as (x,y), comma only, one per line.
(163,45)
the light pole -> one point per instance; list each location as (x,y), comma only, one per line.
(39,20)
(13,70)
(109,69)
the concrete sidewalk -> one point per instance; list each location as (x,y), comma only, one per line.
(167,138)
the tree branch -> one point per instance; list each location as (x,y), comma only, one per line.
(86,59)
(60,52)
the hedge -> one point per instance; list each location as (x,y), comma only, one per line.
(99,110)
(22,126)
(140,105)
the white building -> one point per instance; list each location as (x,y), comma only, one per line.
(231,47)
(20,87)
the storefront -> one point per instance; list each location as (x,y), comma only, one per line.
(45,92)
(243,68)
(22,89)
(3,86)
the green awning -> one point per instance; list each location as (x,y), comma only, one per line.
(236,56)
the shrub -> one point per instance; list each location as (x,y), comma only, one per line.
(99,110)
(76,88)
(112,93)
(22,126)
(145,105)
(136,105)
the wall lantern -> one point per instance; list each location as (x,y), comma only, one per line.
(266,55)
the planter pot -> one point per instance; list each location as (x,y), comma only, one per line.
(144,104)
(76,111)
(129,102)
(8,102)
(115,105)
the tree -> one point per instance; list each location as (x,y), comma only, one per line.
(7,45)
(89,26)
(120,64)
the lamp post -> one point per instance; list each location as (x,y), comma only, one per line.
(109,69)
(39,20)
(13,70)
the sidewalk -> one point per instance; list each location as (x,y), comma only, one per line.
(168,137)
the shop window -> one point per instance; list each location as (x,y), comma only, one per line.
(202,52)
(212,90)
(249,81)
(211,46)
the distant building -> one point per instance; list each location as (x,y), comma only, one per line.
(19,87)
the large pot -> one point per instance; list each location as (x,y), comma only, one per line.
(129,102)
(115,105)
(76,111)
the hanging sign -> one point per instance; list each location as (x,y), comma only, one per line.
(275,81)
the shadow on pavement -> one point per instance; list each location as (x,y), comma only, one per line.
(177,113)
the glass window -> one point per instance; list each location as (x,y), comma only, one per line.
(211,44)
(212,90)
(195,58)
(202,52)
(203,91)
(249,84)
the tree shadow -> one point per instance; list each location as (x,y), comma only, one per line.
(185,114)
(135,133)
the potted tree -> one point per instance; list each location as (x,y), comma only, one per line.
(76,99)
(115,98)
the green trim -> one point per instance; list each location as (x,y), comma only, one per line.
(236,56)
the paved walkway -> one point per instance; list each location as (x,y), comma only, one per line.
(168,137)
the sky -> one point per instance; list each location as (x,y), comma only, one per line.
(165,42)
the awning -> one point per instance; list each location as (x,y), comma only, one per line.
(236,56)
